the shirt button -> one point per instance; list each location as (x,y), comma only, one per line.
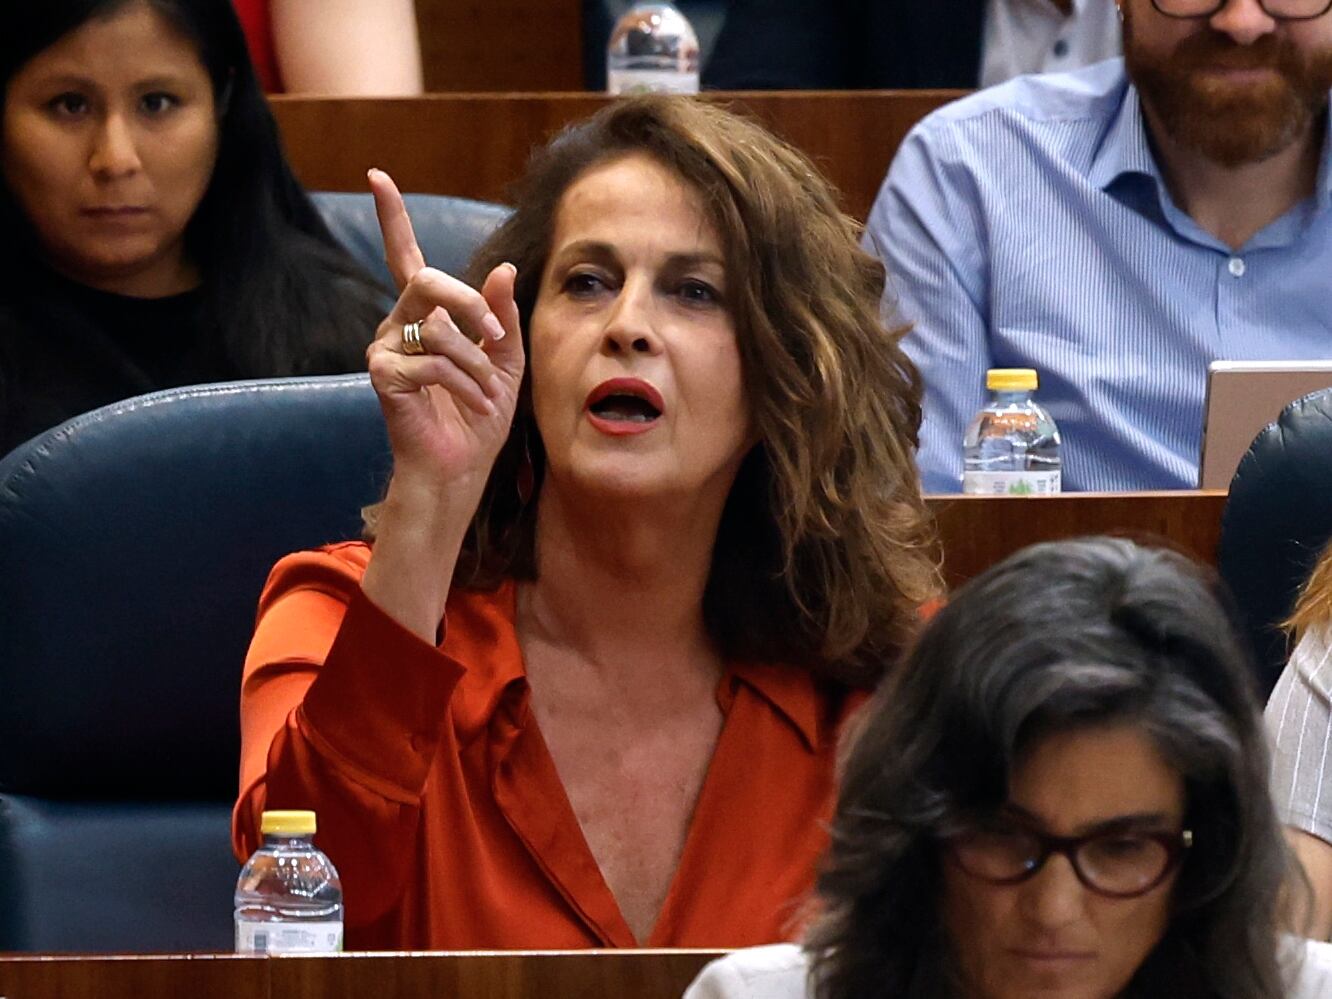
(1061,48)
(1236,266)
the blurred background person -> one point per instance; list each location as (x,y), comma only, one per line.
(1061,793)
(889,44)
(155,235)
(658,524)
(348,48)
(1299,717)
(1117,229)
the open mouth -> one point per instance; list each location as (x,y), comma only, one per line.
(625,401)
(626,408)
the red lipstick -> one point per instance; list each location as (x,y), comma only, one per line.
(623,406)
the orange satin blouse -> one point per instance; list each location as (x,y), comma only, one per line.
(440,805)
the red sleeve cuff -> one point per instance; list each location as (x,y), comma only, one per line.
(380,702)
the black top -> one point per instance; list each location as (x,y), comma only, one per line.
(66,349)
(847,44)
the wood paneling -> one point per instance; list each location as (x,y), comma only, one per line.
(188,977)
(476,145)
(516,975)
(632,974)
(476,45)
(978,531)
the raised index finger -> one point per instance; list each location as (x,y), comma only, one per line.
(403,256)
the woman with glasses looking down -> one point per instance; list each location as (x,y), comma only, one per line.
(1062,793)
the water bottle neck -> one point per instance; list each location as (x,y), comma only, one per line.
(288,840)
(1017,397)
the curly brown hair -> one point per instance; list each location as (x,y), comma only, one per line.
(825,550)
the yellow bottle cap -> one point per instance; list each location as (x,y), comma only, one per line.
(294,823)
(1011,379)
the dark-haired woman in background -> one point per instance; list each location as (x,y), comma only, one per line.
(153,233)
(1063,793)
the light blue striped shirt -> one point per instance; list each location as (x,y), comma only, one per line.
(1028,226)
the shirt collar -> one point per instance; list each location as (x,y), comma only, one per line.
(790,690)
(1048,8)
(1323,185)
(1124,149)
(480,636)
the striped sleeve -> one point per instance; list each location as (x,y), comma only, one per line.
(1299,722)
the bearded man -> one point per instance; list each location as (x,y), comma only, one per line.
(1117,229)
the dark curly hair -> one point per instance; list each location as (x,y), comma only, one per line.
(1056,637)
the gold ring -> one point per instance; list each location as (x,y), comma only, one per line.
(411,339)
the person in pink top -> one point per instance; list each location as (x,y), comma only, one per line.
(360,48)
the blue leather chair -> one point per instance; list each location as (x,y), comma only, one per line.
(1277,520)
(448,229)
(136,540)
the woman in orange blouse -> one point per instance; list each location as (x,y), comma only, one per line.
(654,518)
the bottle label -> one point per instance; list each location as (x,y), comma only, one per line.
(1042,483)
(288,938)
(662,81)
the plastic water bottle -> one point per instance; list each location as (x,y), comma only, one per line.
(288,897)
(653,47)
(1012,446)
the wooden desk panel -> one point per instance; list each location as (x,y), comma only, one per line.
(512,975)
(631,974)
(978,531)
(501,44)
(134,977)
(476,145)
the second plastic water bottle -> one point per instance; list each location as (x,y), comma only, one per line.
(1011,448)
(289,896)
(653,47)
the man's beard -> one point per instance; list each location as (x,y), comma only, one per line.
(1231,123)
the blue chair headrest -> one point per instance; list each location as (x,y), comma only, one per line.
(1276,522)
(136,540)
(449,230)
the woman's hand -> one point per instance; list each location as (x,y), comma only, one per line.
(449,409)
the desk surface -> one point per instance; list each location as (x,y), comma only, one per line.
(512,975)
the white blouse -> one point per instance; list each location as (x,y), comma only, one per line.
(781,971)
